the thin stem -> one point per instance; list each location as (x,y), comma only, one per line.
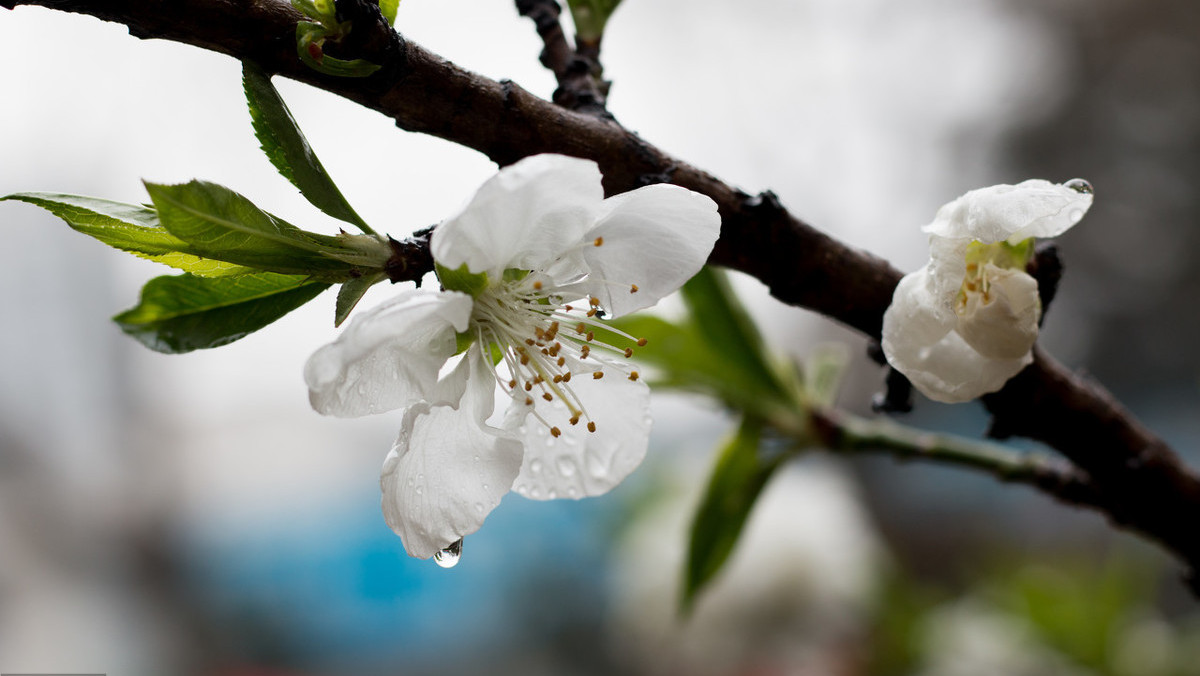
(845,433)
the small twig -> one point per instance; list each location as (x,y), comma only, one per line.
(577,72)
(845,433)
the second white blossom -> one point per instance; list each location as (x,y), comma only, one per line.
(964,324)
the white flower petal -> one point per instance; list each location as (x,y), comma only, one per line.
(915,320)
(526,216)
(919,341)
(446,472)
(654,237)
(953,372)
(389,356)
(1003,324)
(580,463)
(1033,208)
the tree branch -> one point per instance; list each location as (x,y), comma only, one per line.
(577,88)
(1142,484)
(845,433)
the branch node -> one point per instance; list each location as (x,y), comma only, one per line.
(411,257)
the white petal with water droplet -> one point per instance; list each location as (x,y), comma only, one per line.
(389,356)
(438,446)
(524,217)
(580,463)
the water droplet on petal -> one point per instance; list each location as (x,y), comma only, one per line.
(1079,185)
(595,465)
(449,557)
(535,466)
(552,494)
(420,490)
(566,465)
(572,492)
(1076,215)
(479,507)
(535,492)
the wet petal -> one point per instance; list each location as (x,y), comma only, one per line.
(389,356)
(446,473)
(919,341)
(526,216)
(1033,208)
(951,371)
(580,463)
(654,237)
(1002,324)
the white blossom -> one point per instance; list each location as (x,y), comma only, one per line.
(529,266)
(964,324)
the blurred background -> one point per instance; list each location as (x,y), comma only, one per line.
(192,515)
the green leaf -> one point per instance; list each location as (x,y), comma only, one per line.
(352,292)
(389,9)
(219,223)
(128,227)
(737,480)
(686,361)
(288,150)
(184,313)
(728,328)
(590,17)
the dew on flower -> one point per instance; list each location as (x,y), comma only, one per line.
(566,465)
(536,465)
(1080,185)
(450,556)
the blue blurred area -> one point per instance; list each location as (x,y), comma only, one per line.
(344,595)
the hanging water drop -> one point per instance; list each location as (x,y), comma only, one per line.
(1076,215)
(535,466)
(449,557)
(1079,185)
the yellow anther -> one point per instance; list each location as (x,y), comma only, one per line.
(557,378)
(591,426)
(592,312)
(642,342)
(561,361)
(593,301)
(538,379)
(528,386)
(524,359)
(512,384)
(584,351)
(554,431)
(599,241)
(547,396)
(530,341)
(567,308)
(628,352)
(597,375)
(537,286)
(633,375)
(567,377)
(528,401)
(575,419)
(590,336)
(633,288)
(580,327)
